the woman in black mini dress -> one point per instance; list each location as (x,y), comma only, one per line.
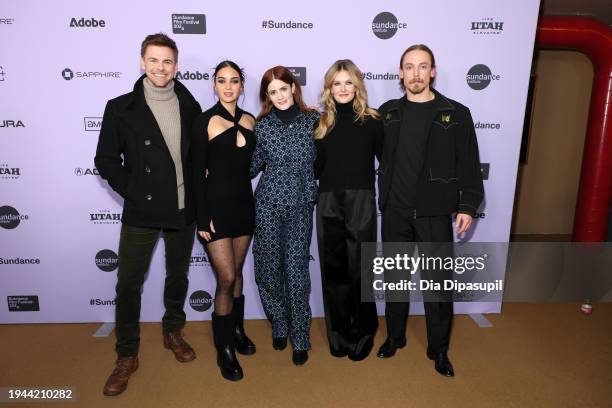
(223,147)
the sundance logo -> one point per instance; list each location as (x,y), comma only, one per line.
(487,26)
(105,217)
(7,172)
(10,217)
(69,74)
(25,303)
(200,301)
(387,76)
(80,171)
(485,125)
(385,25)
(480,76)
(299,73)
(92,123)
(102,302)
(19,261)
(107,260)
(189,23)
(192,76)
(87,23)
(10,123)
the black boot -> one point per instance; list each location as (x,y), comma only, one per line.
(223,332)
(244,345)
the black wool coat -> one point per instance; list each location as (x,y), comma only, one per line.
(133,157)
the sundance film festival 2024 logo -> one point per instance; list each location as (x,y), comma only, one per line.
(107,260)
(10,217)
(480,76)
(385,25)
(8,172)
(200,301)
(189,23)
(23,303)
(69,74)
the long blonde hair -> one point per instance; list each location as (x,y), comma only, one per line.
(360,101)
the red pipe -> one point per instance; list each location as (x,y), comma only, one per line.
(594,39)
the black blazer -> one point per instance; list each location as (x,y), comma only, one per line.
(451,179)
(133,156)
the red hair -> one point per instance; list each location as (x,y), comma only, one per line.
(283,74)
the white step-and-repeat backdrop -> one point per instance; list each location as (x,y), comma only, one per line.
(61,61)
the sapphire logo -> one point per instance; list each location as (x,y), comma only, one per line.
(25,303)
(92,123)
(487,26)
(10,217)
(67,74)
(7,21)
(299,73)
(200,301)
(480,76)
(7,172)
(484,168)
(192,76)
(11,123)
(105,217)
(80,171)
(107,260)
(189,23)
(385,25)
(88,23)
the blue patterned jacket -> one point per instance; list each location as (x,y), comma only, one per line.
(288,151)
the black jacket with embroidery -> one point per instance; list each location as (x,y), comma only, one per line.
(450,179)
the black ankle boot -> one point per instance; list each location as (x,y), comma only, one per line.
(223,333)
(244,345)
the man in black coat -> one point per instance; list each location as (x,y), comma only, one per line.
(143,152)
(429,170)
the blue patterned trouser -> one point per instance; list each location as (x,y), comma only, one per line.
(281,249)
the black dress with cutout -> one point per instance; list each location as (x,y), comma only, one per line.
(224,196)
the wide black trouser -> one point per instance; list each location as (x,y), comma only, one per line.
(400,225)
(345,219)
(136,246)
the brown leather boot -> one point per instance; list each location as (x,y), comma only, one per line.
(117,382)
(182,350)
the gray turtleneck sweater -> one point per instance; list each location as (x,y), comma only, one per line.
(165,107)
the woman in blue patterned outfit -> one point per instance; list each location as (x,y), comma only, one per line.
(284,201)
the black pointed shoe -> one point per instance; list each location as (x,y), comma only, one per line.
(244,345)
(362,348)
(338,346)
(279,343)
(442,364)
(300,357)
(390,346)
(223,333)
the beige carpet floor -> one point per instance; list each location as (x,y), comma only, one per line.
(547,355)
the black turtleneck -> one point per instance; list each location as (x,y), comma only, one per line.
(287,115)
(345,157)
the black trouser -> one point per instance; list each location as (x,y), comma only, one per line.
(400,225)
(345,219)
(135,251)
